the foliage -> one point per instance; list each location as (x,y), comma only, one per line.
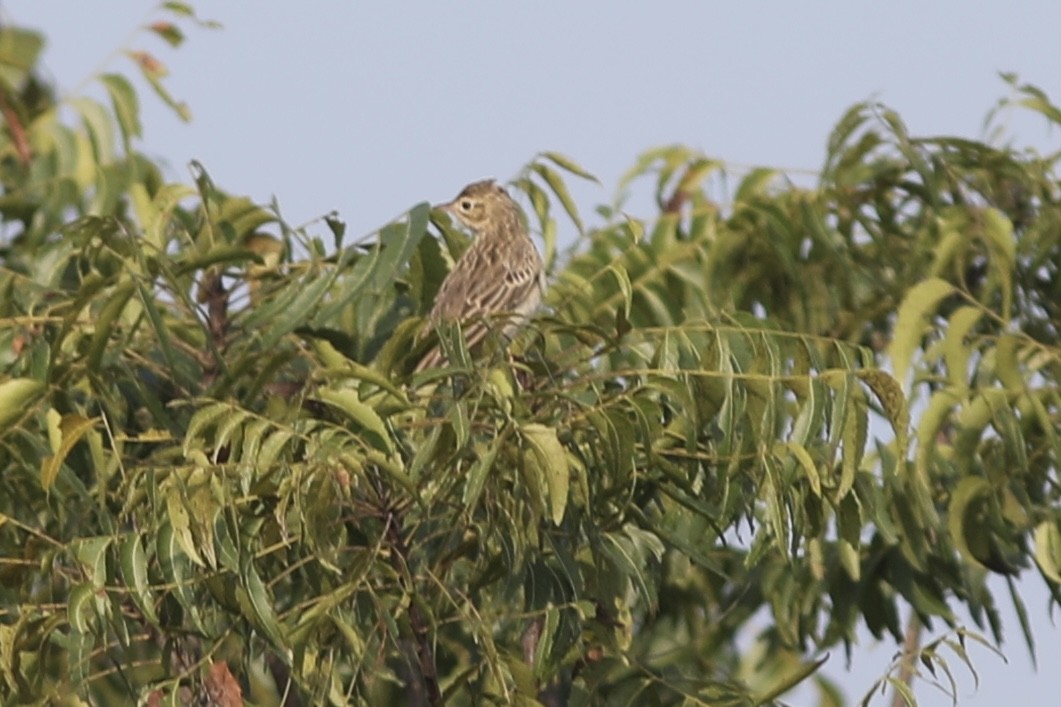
(217,467)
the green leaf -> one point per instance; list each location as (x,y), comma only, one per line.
(397,242)
(202,419)
(570,165)
(849,529)
(484,462)
(177,515)
(169,32)
(629,551)
(175,568)
(998,232)
(343,367)
(811,416)
(261,611)
(1048,550)
(1042,106)
(918,304)
(623,279)
(270,449)
(153,72)
(19,49)
(552,460)
(1007,367)
(789,680)
(156,217)
(348,402)
(181,9)
(91,554)
(556,184)
(965,521)
(546,640)
(17,397)
(99,126)
(460,423)
(126,105)
(285,313)
(956,349)
(1022,617)
(79,608)
(700,168)
(230,430)
(854,442)
(540,205)
(810,470)
(134,568)
(106,319)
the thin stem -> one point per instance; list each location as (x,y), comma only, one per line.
(911,647)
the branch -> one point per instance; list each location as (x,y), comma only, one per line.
(212,292)
(14,127)
(424,653)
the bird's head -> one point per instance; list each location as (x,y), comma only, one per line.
(482,205)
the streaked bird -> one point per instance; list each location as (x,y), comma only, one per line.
(498,281)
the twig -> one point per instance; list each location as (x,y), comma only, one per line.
(911,647)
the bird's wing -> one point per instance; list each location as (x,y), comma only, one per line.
(485,283)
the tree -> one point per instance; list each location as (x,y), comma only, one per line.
(220,477)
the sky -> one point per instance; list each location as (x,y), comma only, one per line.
(368,108)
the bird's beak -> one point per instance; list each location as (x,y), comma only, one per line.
(447,207)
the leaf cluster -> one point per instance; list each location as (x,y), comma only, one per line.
(776,415)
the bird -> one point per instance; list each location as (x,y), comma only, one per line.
(499,280)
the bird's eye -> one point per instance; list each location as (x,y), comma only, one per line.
(466,205)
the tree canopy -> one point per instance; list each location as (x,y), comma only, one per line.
(743,428)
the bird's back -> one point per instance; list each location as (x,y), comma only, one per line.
(501,273)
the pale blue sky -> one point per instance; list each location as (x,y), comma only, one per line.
(368,108)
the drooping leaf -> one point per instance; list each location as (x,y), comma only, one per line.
(559,189)
(920,302)
(126,105)
(552,459)
(357,410)
(72,428)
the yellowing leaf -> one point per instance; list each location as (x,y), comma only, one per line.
(1007,367)
(956,350)
(1048,550)
(893,402)
(71,429)
(919,303)
(936,414)
(552,459)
